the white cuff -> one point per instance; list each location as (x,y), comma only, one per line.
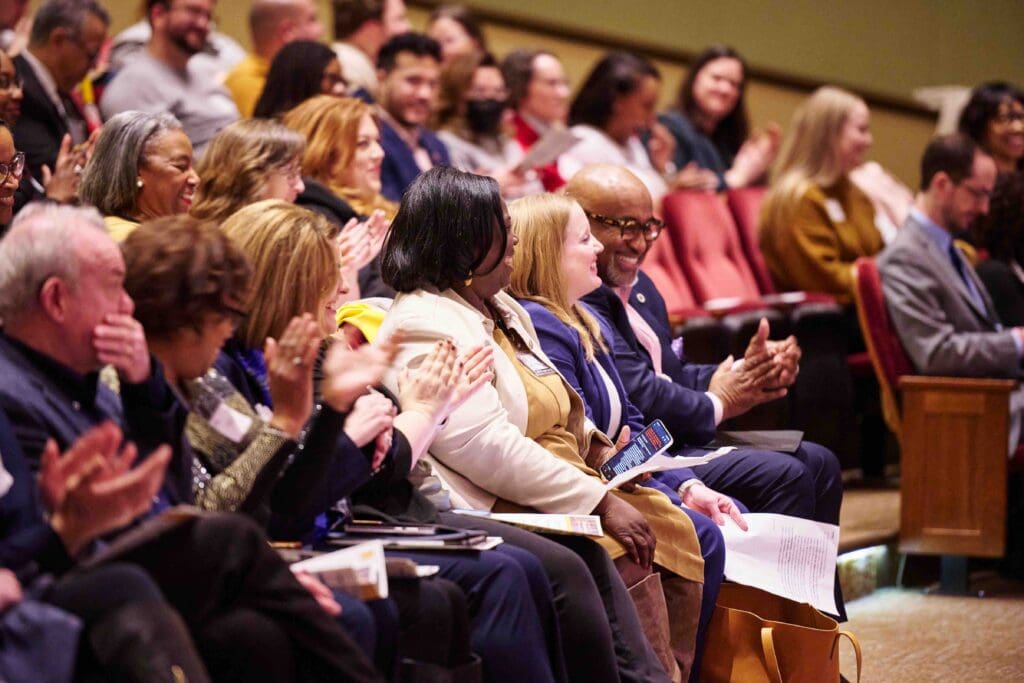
(717,404)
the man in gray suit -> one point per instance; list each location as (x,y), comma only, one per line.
(940,309)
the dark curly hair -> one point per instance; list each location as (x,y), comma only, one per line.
(1002,230)
(178,270)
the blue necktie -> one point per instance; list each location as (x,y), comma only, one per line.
(961,268)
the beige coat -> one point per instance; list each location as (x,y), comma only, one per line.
(482,454)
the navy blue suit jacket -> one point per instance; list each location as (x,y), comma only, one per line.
(681,404)
(45,400)
(399,168)
(26,540)
(562,345)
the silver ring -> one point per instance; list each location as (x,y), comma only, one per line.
(297,360)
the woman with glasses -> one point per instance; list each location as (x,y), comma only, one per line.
(302,69)
(815,221)
(59,184)
(994,118)
(141,169)
(554,266)
(247,162)
(12,166)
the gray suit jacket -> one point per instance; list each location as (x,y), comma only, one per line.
(941,327)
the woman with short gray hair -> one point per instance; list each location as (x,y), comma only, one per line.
(141,168)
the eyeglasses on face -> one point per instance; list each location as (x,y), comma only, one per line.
(630,227)
(15,167)
(1006,117)
(10,82)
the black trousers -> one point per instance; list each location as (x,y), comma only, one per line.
(602,639)
(130,633)
(248,615)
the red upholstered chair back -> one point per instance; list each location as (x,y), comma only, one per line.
(745,205)
(888,358)
(661,266)
(707,246)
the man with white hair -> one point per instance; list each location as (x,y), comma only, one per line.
(65,315)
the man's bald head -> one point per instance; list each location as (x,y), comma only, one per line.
(274,23)
(605,189)
(613,193)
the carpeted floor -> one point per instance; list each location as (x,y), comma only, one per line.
(868,517)
(907,636)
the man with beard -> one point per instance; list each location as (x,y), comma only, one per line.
(692,399)
(409,70)
(940,309)
(164,77)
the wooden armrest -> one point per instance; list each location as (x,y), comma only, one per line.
(971,384)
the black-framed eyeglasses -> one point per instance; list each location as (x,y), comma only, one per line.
(10,82)
(630,227)
(1005,118)
(976,192)
(15,167)
(91,52)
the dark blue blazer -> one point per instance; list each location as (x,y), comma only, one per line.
(681,404)
(399,168)
(562,345)
(44,400)
(330,466)
(26,540)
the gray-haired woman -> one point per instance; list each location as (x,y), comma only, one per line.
(140,169)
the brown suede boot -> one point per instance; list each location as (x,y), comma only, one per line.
(652,609)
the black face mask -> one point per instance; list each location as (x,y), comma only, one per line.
(484,116)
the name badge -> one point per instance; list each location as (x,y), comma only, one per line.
(230,423)
(835,211)
(534,364)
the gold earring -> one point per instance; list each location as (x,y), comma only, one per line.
(468,281)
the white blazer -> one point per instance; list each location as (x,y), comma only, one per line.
(482,454)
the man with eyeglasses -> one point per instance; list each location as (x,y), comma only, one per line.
(692,399)
(66,37)
(165,78)
(940,308)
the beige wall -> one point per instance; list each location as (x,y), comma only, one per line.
(899,138)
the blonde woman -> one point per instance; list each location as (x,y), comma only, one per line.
(341,165)
(815,221)
(555,264)
(246,162)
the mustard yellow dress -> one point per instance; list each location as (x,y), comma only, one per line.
(677,549)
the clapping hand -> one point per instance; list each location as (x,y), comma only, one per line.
(93,489)
(290,373)
(348,372)
(755,382)
(442,381)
